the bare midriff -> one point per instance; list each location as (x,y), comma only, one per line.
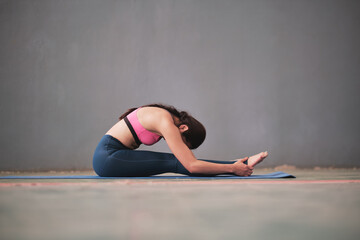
(121,132)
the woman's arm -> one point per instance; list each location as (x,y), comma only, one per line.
(176,144)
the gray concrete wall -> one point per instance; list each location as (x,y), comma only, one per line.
(276,75)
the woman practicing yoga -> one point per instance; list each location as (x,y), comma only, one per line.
(115,155)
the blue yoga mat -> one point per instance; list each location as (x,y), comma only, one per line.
(264,176)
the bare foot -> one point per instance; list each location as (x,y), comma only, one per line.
(256,159)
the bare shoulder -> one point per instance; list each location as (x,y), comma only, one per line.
(154,118)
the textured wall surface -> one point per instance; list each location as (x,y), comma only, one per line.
(276,75)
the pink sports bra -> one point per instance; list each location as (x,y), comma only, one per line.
(140,134)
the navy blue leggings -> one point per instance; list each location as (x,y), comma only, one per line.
(113,159)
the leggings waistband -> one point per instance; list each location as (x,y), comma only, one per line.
(113,142)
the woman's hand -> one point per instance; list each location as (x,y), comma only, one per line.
(241,169)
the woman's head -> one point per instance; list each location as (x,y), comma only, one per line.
(195,133)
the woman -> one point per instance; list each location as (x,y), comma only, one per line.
(115,155)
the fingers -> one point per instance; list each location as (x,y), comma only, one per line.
(249,171)
(243,169)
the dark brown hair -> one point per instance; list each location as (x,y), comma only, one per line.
(196,133)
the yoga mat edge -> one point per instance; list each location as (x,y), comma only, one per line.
(263,176)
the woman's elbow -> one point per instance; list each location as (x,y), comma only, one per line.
(194,168)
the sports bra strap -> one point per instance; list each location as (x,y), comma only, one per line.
(132,130)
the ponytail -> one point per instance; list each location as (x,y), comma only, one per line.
(127,113)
